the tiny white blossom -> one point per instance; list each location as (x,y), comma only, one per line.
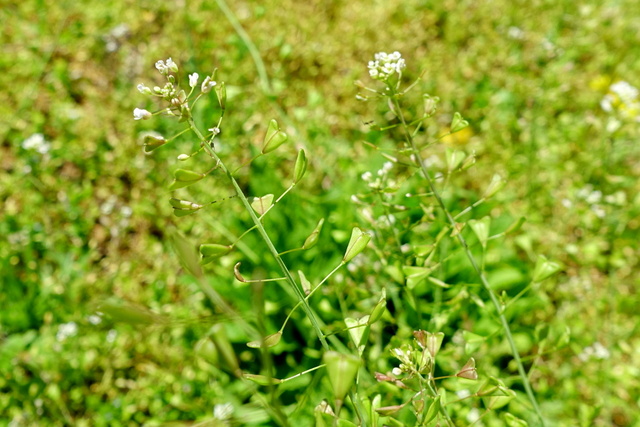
(111,335)
(94,319)
(183,157)
(144,89)
(193,79)
(141,114)
(215,130)
(207,85)
(385,65)
(366,176)
(66,330)
(396,371)
(37,142)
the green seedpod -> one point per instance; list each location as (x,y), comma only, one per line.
(433,410)
(430,104)
(496,402)
(516,225)
(186,253)
(274,138)
(126,312)
(214,249)
(183,207)
(513,421)
(358,331)
(342,370)
(434,342)
(438,282)
(472,342)
(268,341)
(261,379)
(385,411)
(261,204)
(312,240)
(358,242)
(184,178)
(152,141)
(224,347)
(221,94)
(468,371)
(454,159)
(545,269)
(379,309)
(458,123)
(206,349)
(414,275)
(469,161)
(481,229)
(306,284)
(496,184)
(301,167)
(422,250)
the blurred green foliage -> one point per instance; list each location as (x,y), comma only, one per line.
(87,219)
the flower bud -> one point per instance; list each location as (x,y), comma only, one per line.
(141,114)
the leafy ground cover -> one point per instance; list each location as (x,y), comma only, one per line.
(87,227)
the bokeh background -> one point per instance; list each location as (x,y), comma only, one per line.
(84,214)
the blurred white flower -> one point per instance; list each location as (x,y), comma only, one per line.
(222,411)
(37,142)
(141,114)
(66,330)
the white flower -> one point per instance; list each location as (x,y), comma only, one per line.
(166,66)
(193,79)
(37,143)
(141,114)
(144,90)
(66,330)
(183,156)
(396,371)
(366,176)
(94,319)
(207,85)
(215,130)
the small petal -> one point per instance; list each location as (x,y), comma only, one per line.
(193,79)
(141,114)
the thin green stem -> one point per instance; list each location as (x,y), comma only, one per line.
(253,50)
(485,283)
(263,233)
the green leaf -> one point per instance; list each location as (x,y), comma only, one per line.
(357,244)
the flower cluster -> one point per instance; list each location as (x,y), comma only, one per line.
(385,65)
(171,91)
(624,98)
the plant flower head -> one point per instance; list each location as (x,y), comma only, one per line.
(385,65)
